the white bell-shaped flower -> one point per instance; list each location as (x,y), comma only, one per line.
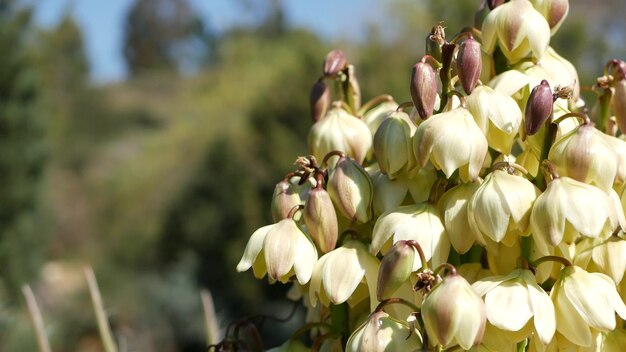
(500,208)
(569,208)
(339,130)
(348,273)
(585,155)
(281,250)
(497,115)
(585,302)
(419,222)
(382,333)
(518,28)
(454,314)
(451,141)
(516,303)
(453,207)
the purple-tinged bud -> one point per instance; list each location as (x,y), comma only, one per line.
(618,103)
(321,220)
(494,3)
(395,269)
(469,63)
(285,197)
(334,62)
(538,108)
(320,100)
(351,190)
(619,68)
(423,89)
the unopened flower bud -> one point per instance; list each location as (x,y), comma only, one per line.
(469,64)
(395,269)
(334,62)
(285,197)
(320,100)
(392,144)
(554,11)
(454,314)
(352,89)
(494,3)
(423,89)
(434,41)
(321,220)
(350,188)
(538,108)
(383,333)
(618,104)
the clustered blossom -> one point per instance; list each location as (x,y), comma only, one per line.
(486,214)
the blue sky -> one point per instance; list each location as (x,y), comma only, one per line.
(102,23)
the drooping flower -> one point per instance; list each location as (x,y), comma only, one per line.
(281,250)
(339,130)
(451,141)
(418,222)
(517,304)
(569,208)
(348,273)
(453,207)
(497,115)
(454,314)
(500,208)
(350,188)
(518,28)
(585,301)
(382,333)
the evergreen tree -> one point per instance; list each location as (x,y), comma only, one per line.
(22,152)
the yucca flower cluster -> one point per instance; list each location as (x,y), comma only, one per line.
(487,214)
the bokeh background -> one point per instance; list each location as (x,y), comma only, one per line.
(144,138)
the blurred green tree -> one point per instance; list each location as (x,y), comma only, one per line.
(22,152)
(165,35)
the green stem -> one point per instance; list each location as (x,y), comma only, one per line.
(444,74)
(548,140)
(395,300)
(605,109)
(551,258)
(340,317)
(36,319)
(450,267)
(527,247)
(103,324)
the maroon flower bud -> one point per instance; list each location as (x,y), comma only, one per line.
(320,100)
(469,63)
(334,62)
(423,89)
(557,11)
(321,220)
(619,69)
(494,3)
(538,107)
